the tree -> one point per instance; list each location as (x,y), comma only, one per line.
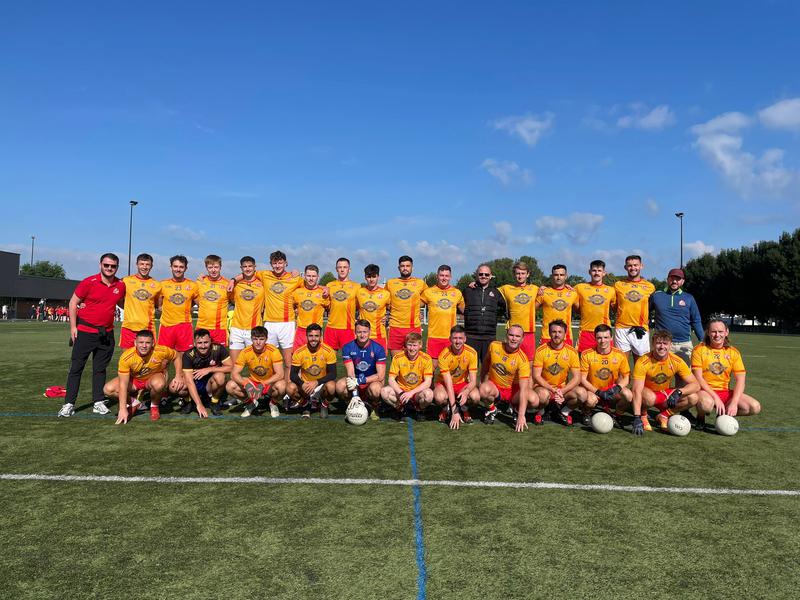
(430,279)
(574,280)
(326,278)
(44,268)
(536,274)
(464,281)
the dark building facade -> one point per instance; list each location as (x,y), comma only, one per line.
(21,292)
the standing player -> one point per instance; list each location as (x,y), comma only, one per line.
(605,375)
(177,296)
(405,294)
(264,365)
(142,368)
(204,368)
(372,301)
(595,300)
(247,293)
(443,301)
(410,378)
(714,362)
(505,376)
(342,310)
(141,292)
(652,375)
(633,309)
(557,375)
(457,388)
(313,374)
(365,368)
(557,302)
(212,301)
(521,305)
(309,302)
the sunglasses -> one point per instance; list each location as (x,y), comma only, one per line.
(484,274)
(107,266)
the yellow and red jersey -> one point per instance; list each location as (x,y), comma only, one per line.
(405,300)
(658,374)
(144,367)
(212,303)
(506,369)
(410,373)
(260,367)
(443,303)
(310,305)
(342,310)
(556,364)
(313,365)
(595,304)
(633,302)
(603,370)
(372,307)
(556,304)
(459,366)
(140,302)
(278,295)
(718,364)
(521,303)
(248,304)
(177,298)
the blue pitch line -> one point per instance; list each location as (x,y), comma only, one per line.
(422,571)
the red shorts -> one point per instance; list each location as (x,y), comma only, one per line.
(586,341)
(661,398)
(545,340)
(506,394)
(457,387)
(138,384)
(724,395)
(178,337)
(300,338)
(528,345)
(127,337)
(257,382)
(436,345)
(336,338)
(219,336)
(397,336)
(381,341)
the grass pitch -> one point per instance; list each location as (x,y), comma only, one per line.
(82,539)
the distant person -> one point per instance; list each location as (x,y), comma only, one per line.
(676,311)
(5,312)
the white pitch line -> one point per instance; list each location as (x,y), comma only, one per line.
(538,485)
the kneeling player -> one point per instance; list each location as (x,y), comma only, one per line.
(264,365)
(365,367)
(457,388)
(313,376)
(506,375)
(557,375)
(605,374)
(410,378)
(652,376)
(142,369)
(204,367)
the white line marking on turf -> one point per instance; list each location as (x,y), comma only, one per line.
(533,485)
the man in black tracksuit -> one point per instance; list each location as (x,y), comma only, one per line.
(481,306)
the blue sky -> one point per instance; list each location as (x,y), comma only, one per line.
(455,132)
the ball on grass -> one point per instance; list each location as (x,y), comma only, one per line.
(679,425)
(726,425)
(602,422)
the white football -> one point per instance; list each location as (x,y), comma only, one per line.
(602,422)
(679,425)
(726,425)
(357,413)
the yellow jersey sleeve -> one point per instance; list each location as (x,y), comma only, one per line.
(140,302)
(177,305)
(212,303)
(342,311)
(640,367)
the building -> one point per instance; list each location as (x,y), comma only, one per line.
(22,292)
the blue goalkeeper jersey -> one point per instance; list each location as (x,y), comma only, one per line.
(365,360)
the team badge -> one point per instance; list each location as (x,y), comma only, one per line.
(596,299)
(211,296)
(457,372)
(362,365)
(314,370)
(603,373)
(522,298)
(500,369)
(142,294)
(340,295)
(277,287)
(145,371)
(444,303)
(633,296)
(560,304)
(555,369)
(404,293)
(412,378)
(247,294)
(260,371)
(369,306)
(307,305)
(661,378)
(177,299)
(717,368)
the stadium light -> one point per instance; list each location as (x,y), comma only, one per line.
(33,238)
(680,218)
(130,234)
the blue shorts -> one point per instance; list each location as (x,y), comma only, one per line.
(200,384)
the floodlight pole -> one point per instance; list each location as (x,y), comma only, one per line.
(33,238)
(130,234)
(680,218)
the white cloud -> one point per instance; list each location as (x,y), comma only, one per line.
(502,231)
(652,206)
(577,227)
(184,234)
(729,122)
(441,250)
(647,120)
(782,115)
(697,248)
(529,128)
(506,172)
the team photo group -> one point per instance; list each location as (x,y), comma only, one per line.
(270,340)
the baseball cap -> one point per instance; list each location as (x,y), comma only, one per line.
(676,273)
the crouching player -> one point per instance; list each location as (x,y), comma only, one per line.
(365,368)
(653,374)
(605,374)
(264,364)
(410,378)
(557,376)
(204,368)
(713,363)
(457,388)
(506,376)
(141,369)
(312,381)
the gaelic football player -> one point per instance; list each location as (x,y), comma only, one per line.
(176,299)
(653,374)
(247,292)
(404,304)
(443,301)
(505,376)
(264,364)
(309,303)
(521,305)
(595,300)
(212,301)
(372,301)
(633,311)
(342,310)
(141,292)
(557,375)
(410,377)
(313,374)
(457,388)
(605,374)
(365,368)
(557,302)
(204,368)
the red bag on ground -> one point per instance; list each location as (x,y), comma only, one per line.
(55,391)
